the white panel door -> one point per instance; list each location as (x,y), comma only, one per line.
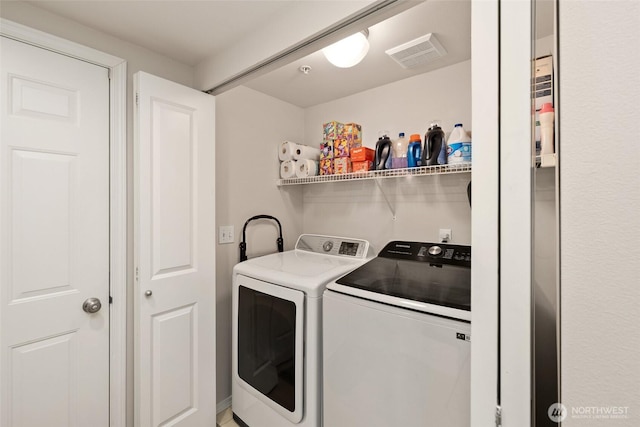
(174,255)
(54,239)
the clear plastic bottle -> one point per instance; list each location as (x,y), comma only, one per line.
(400,146)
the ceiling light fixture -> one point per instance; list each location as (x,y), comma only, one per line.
(348,52)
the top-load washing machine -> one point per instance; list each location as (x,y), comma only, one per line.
(396,339)
(277,330)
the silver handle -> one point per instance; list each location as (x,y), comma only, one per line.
(92,305)
(148,293)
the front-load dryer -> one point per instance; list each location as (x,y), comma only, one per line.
(277,330)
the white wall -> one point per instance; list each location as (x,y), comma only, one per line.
(600,201)
(249,129)
(422,205)
(406,106)
(137,59)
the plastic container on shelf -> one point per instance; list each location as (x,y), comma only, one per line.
(400,146)
(546,118)
(458,145)
(414,151)
(434,143)
(383,154)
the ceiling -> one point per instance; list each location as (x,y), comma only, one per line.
(192,31)
(450,21)
(188,31)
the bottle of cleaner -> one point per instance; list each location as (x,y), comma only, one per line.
(459,145)
(414,151)
(546,118)
(400,146)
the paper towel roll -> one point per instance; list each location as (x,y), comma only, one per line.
(288,169)
(306,152)
(286,151)
(306,168)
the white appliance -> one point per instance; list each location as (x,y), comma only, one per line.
(277,321)
(396,339)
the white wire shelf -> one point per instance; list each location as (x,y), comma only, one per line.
(386,173)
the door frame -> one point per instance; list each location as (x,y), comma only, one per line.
(117,68)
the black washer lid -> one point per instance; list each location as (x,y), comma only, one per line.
(433,273)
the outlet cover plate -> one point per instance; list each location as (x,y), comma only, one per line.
(444,235)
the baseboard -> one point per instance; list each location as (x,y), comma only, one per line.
(224,404)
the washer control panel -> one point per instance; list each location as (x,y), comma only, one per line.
(330,245)
(439,253)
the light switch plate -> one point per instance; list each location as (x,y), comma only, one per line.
(226,234)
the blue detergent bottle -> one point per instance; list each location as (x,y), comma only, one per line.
(414,152)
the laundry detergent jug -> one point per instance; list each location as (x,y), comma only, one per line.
(414,151)
(383,152)
(459,145)
(433,144)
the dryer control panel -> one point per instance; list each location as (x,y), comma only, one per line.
(331,245)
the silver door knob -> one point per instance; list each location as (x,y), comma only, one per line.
(148,293)
(92,305)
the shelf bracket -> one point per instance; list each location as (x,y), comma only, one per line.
(386,199)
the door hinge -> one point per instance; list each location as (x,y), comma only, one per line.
(498,416)
(110,299)
(136,274)
(137,99)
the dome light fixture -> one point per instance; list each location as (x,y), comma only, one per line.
(348,52)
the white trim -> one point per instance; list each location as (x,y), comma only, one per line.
(484,213)
(53,43)
(118,219)
(224,404)
(118,197)
(516,170)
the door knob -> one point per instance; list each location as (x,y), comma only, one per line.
(148,293)
(92,305)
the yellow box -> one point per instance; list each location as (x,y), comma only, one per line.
(326,167)
(353,133)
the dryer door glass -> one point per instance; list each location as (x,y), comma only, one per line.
(266,345)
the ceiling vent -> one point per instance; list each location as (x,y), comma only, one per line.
(417,52)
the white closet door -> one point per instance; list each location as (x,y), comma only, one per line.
(174,171)
(54,239)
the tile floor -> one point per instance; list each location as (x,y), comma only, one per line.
(225,419)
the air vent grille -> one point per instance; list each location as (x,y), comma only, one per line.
(417,52)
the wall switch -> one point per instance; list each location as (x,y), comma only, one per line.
(226,234)
(444,235)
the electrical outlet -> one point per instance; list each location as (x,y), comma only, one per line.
(226,234)
(445,235)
